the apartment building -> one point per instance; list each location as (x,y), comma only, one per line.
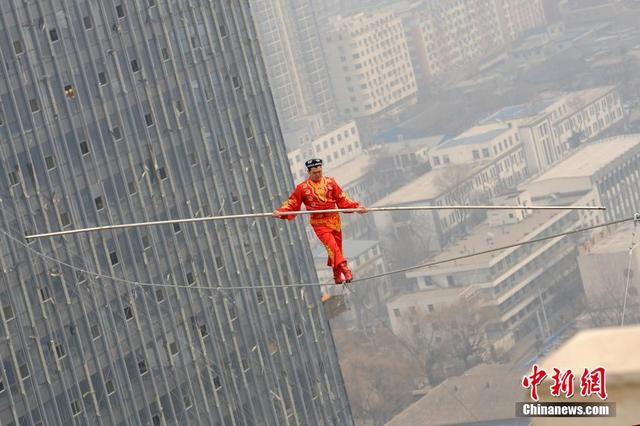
(551,128)
(289,37)
(369,62)
(454,184)
(444,36)
(337,147)
(480,143)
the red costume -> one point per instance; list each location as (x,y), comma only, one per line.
(325,194)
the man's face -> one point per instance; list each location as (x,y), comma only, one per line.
(315,173)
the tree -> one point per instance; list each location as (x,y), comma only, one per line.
(378,375)
(447,337)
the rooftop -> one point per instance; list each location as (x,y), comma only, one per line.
(351,171)
(517,112)
(484,393)
(430,185)
(435,296)
(591,157)
(410,145)
(351,249)
(474,138)
(618,241)
(484,237)
(615,348)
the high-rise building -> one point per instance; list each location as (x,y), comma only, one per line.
(370,65)
(119,112)
(290,41)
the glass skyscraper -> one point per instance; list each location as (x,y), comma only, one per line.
(127,111)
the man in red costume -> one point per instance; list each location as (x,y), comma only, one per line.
(323,193)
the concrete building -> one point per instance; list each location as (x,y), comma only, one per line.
(486,395)
(609,167)
(606,265)
(339,146)
(405,309)
(119,112)
(366,302)
(523,285)
(455,184)
(369,63)
(446,36)
(480,143)
(614,349)
(289,38)
(551,127)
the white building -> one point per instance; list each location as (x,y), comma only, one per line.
(459,184)
(480,143)
(525,285)
(550,128)
(609,167)
(336,147)
(369,63)
(605,267)
(404,310)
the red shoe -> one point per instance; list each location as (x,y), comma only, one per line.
(348,276)
(337,275)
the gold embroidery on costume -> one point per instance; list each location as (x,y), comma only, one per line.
(319,189)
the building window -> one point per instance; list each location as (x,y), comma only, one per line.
(485,152)
(49,162)
(109,387)
(76,408)
(203,330)
(84,148)
(476,154)
(120,11)
(162,172)
(24,370)
(142,367)
(113,257)
(429,308)
(148,119)
(128,313)
(445,159)
(53,34)
(64,219)
(173,348)
(88,22)
(116,133)
(1,385)
(131,186)
(164,53)
(436,161)
(396,312)
(34,105)
(134,65)
(102,78)
(7,310)
(17,47)
(99,203)
(95,331)
(60,352)
(44,294)
(159,295)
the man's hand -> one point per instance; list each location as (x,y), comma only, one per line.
(362,210)
(277,213)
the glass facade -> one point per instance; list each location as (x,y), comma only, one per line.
(129,111)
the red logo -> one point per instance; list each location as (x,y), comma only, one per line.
(591,382)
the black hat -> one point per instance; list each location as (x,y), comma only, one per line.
(314,162)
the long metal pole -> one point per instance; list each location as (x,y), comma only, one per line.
(301,212)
